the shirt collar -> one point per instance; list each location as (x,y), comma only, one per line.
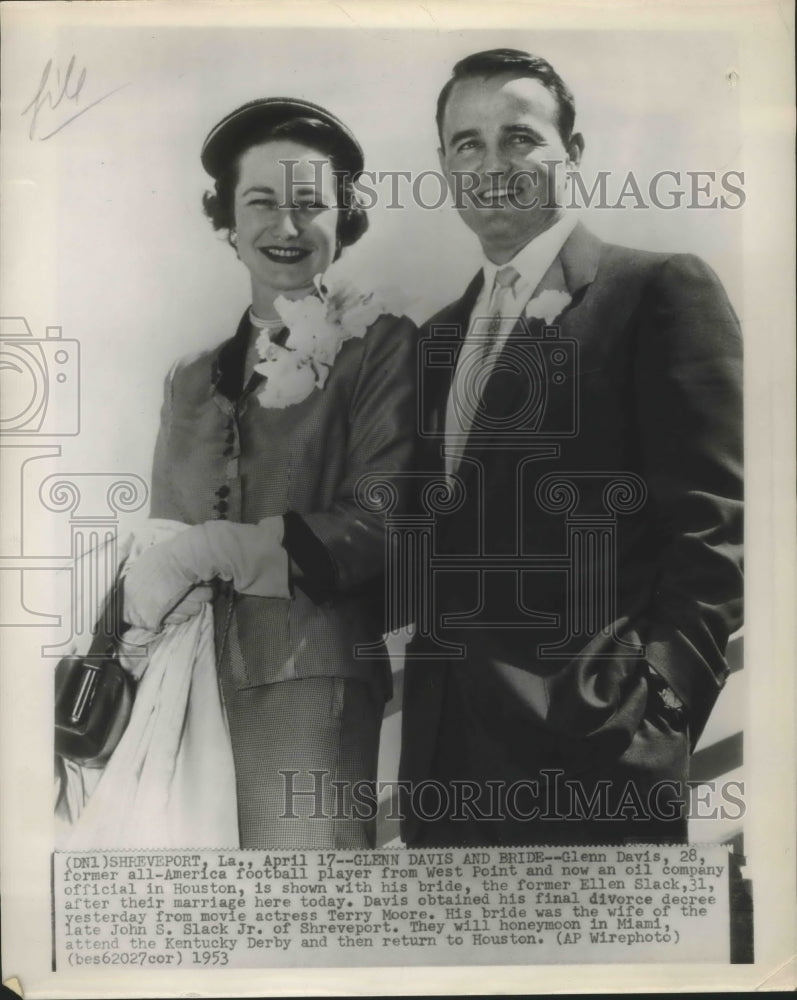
(227,373)
(534,259)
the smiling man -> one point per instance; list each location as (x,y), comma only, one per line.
(508,143)
(584,402)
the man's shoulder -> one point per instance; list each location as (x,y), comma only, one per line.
(442,317)
(456,310)
(681,280)
(668,282)
(619,260)
(589,259)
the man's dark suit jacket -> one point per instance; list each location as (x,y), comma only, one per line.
(653,393)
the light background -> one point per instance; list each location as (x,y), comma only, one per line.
(103,235)
(140,278)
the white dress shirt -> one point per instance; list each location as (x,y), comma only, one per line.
(531,263)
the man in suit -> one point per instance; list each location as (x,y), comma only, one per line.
(584,402)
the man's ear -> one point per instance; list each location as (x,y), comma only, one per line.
(575,149)
(441,159)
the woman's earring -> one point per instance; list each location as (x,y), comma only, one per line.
(233,237)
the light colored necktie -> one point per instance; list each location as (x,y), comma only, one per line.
(458,421)
(500,301)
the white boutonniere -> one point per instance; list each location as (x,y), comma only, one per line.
(548,305)
(319,324)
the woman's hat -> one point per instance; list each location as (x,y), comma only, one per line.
(233,133)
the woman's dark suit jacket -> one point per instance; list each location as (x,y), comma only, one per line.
(220,454)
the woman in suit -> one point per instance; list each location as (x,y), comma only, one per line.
(263,448)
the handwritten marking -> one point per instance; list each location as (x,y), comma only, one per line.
(53,92)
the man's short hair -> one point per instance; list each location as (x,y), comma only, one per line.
(496,62)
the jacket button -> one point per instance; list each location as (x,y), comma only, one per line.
(227,451)
(221,506)
(223,491)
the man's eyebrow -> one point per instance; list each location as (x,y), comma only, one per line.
(467,133)
(524,130)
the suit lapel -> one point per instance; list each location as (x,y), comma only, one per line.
(507,391)
(579,259)
(572,272)
(441,342)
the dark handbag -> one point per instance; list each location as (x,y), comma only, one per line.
(94,693)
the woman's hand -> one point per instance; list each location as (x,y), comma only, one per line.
(159,587)
(251,555)
(191,605)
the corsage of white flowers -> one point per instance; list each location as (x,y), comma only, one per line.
(319,324)
(548,305)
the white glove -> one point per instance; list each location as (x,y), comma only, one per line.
(190,605)
(251,555)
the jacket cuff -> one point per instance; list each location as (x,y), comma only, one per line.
(311,565)
(676,660)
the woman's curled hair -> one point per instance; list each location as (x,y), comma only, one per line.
(219,204)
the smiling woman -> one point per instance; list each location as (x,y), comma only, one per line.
(284,248)
(263,440)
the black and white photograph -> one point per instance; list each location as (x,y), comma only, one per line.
(397,442)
